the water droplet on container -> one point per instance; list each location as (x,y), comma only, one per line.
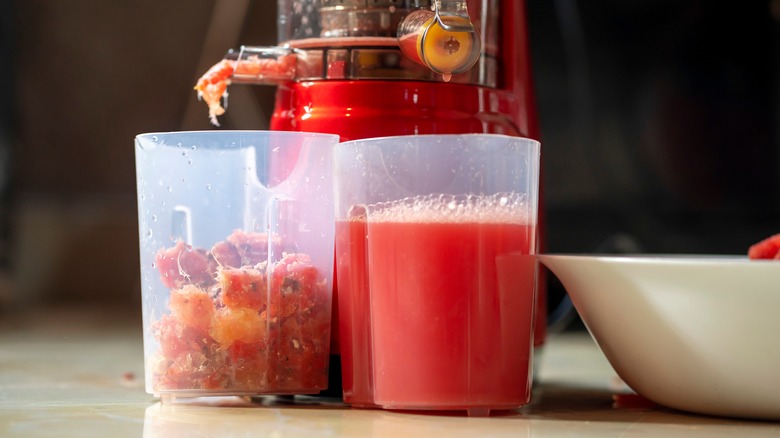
(154,218)
(184,153)
(503,201)
(189,161)
(208,186)
(170,189)
(154,138)
(149,233)
(194,147)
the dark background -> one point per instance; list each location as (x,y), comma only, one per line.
(659,127)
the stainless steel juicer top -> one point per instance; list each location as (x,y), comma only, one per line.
(300,19)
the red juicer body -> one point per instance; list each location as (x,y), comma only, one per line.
(358,109)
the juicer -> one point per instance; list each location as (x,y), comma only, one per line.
(375,68)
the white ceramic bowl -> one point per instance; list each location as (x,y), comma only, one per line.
(698,333)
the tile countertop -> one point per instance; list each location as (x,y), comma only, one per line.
(70,375)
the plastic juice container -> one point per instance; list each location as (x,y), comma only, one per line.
(236,247)
(435,254)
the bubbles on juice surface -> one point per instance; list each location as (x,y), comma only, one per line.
(511,208)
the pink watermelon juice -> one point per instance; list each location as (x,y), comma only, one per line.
(354,313)
(447,290)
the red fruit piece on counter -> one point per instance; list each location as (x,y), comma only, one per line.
(768,248)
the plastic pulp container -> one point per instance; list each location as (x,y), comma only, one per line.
(435,245)
(236,241)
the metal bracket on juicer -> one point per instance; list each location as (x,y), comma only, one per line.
(453,8)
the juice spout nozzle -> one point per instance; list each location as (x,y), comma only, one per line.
(264,65)
(444,39)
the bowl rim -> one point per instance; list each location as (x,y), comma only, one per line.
(674,259)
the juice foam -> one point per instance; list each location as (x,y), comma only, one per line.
(500,208)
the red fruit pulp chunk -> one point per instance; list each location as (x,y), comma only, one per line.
(176,338)
(243,288)
(192,306)
(226,255)
(242,324)
(182,265)
(249,364)
(252,247)
(768,248)
(228,330)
